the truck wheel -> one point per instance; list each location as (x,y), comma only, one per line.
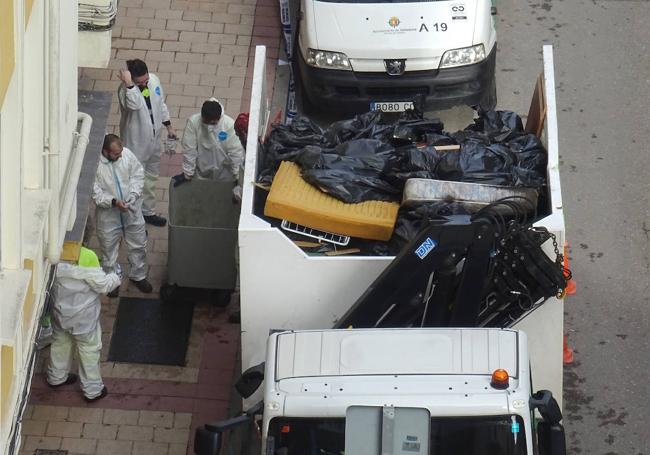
(489,100)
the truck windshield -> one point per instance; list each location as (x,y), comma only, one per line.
(492,435)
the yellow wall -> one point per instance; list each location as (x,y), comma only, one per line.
(28,307)
(7,51)
(28,10)
(7,367)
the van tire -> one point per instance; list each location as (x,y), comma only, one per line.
(489,100)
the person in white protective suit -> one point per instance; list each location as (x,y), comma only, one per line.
(76,326)
(211,148)
(117,192)
(143,115)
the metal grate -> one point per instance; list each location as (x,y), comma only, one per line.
(321,236)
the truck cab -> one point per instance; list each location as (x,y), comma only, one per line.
(357,55)
(404,391)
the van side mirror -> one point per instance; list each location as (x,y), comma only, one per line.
(493,10)
(547,406)
(550,439)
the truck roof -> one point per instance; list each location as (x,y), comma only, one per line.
(316,353)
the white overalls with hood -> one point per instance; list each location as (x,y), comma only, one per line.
(141,131)
(122,180)
(212,151)
(76,325)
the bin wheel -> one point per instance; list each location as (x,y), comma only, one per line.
(168,292)
(222,298)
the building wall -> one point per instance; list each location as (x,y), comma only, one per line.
(25,190)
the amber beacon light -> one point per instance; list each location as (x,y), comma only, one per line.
(500,379)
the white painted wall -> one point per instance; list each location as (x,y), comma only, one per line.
(10,174)
(68,80)
(34,105)
(23,185)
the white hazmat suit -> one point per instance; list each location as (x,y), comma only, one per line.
(142,135)
(76,324)
(212,151)
(123,180)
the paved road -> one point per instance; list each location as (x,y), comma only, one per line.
(602,70)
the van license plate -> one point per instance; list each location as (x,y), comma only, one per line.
(391,106)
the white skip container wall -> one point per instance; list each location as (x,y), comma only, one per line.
(283,288)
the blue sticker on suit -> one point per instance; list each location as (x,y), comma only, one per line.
(158,90)
(222,136)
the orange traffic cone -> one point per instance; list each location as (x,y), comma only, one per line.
(571,285)
(567,353)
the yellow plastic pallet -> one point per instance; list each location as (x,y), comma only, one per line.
(292,198)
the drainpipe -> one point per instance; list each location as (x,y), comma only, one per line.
(69,188)
(52,143)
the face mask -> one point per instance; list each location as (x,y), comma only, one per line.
(212,128)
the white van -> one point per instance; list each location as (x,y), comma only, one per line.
(357,55)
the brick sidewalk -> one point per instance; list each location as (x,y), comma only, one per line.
(198,49)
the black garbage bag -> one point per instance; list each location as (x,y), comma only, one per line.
(350,171)
(285,143)
(531,161)
(411,162)
(519,162)
(364,126)
(299,133)
(498,126)
(489,164)
(416,131)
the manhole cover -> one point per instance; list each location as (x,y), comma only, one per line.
(50,452)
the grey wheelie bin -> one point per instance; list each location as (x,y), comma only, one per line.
(203,223)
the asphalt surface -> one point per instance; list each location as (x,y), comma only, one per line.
(602,72)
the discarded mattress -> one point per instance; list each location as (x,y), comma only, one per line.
(473,196)
(292,198)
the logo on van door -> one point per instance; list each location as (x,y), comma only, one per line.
(393,21)
(395,67)
(458,12)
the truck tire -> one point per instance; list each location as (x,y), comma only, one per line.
(489,100)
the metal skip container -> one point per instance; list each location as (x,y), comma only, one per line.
(203,223)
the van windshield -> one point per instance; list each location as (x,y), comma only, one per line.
(486,435)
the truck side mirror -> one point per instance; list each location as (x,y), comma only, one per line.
(250,380)
(547,406)
(493,10)
(550,438)
(207,442)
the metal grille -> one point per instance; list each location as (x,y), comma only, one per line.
(397,91)
(321,236)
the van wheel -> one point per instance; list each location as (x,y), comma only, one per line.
(489,100)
